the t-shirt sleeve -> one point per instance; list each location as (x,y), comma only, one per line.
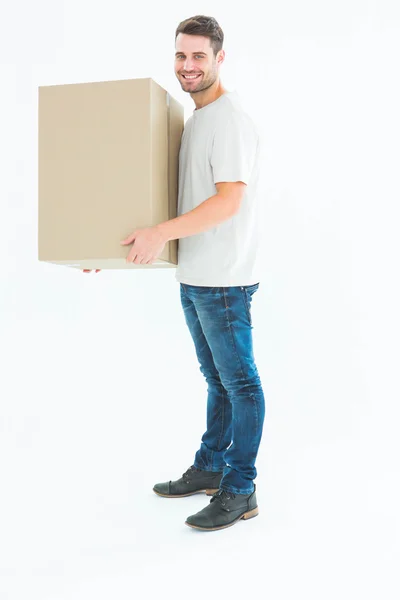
(234,149)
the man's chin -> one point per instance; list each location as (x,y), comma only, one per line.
(190,90)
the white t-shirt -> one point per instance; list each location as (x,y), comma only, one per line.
(220,142)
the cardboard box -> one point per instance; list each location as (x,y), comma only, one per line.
(108,164)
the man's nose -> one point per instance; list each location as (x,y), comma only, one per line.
(188,66)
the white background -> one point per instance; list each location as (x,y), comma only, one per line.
(101,392)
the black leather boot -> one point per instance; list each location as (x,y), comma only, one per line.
(224,510)
(193,481)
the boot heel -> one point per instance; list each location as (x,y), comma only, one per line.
(211,492)
(251,513)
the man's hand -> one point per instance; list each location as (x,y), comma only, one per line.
(148,244)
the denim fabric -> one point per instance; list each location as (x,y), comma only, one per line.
(220,323)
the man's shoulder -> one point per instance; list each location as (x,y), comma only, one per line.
(233,114)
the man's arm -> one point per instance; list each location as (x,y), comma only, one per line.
(216,209)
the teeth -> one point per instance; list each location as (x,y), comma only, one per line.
(191,76)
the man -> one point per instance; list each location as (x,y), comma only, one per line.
(217,228)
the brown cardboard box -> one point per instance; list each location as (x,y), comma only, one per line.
(108,164)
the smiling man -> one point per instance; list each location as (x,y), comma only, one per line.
(217,227)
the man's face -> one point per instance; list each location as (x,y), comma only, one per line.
(194,56)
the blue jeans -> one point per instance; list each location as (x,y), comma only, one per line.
(219,320)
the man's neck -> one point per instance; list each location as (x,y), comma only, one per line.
(210,95)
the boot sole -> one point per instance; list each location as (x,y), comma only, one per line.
(209,492)
(247,515)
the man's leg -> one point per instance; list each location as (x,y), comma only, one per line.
(218,435)
(224,316)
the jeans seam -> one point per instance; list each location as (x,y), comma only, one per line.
(256,409)
(232,336)
(234,346)
(222,419)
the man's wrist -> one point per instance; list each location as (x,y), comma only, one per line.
(164,231)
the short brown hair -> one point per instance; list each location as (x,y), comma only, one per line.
(206,26)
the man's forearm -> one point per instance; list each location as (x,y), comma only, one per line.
(209,213)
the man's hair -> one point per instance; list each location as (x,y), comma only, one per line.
(202,25)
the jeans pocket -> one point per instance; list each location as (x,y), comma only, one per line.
(246,301)
(247,293)
(251,288)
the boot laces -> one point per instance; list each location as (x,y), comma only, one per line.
(221,495)
(189,472)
